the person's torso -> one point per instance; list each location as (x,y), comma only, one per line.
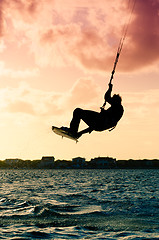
(114,113)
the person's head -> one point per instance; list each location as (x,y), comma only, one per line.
(116,99)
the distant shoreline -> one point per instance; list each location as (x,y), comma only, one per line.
(48,162)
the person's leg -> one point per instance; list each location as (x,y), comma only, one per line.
(87,130)
(74,124)
(89,117)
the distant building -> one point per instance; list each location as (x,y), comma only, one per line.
(103,162)
(63,164)
(13,161)
(78,162)
(138,164)
(47,162)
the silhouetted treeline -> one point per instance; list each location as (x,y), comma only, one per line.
(49,162)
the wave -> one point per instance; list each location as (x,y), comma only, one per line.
(109,203)
(78,204)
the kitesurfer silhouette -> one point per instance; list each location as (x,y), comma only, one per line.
(97,121)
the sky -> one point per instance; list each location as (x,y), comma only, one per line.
(58,55)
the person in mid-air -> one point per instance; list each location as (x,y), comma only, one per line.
(97,121)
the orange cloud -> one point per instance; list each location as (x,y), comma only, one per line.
(84,91)
(20,106)
(7,72)
(141,106)
(24,99)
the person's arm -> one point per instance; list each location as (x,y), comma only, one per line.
(108,94)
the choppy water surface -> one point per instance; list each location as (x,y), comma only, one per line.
(79,204)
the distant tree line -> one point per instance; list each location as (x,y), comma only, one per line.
(49,162)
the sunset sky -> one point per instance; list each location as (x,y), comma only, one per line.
(56,55)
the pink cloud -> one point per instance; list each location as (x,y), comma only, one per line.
(26,9)
(89,37)
(1,18)
(81,46)
(143,46)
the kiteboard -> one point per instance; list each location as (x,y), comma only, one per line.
(63,133)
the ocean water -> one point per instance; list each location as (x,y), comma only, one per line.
(79,204)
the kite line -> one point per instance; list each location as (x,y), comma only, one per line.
(121,42)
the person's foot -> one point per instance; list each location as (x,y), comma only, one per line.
(66,129)
(73,134)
